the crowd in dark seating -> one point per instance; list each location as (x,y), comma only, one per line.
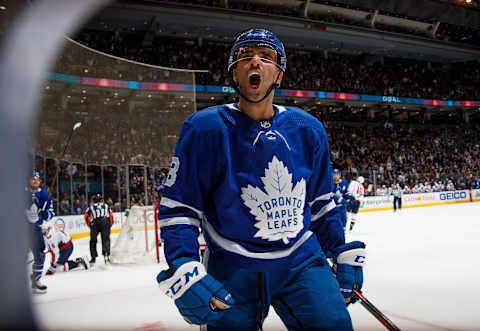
(71,196)
(411,156)
(310,70)
(420,158)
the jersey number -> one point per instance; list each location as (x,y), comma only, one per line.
(172,174)
(99,212)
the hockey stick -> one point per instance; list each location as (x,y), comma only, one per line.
(375,312)
(75,126)
(370,307)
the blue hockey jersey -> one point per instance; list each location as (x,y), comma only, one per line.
(41,207)
(261,191)
(340,192)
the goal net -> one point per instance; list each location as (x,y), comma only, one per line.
(138,240)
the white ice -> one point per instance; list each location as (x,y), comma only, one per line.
(423,272)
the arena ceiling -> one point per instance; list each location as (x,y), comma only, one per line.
(185,21)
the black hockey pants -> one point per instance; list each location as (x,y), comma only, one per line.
(101,225)
(397,201)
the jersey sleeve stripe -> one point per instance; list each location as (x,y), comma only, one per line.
(325,209)
(236,248)
(170,203)
(325,196)
(179,221)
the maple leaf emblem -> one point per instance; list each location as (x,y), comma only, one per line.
(278,209)
(32,213)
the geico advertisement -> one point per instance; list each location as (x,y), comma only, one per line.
(454,196)
(419,199)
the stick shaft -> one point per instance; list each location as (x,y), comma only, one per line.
(375,312)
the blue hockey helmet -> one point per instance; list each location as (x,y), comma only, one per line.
(337,172)
(258,38)
(35,173)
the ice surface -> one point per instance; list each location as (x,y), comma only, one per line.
(423,272)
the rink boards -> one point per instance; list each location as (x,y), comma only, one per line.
(75,224)
(377,203)
(77,228)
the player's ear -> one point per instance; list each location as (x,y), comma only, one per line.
(234,75)
(279,80)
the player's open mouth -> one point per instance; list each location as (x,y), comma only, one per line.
(254,80)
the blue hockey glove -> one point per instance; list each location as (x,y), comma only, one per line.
(348,261)
(198,296)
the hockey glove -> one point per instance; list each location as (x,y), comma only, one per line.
(198,296)
(348,262)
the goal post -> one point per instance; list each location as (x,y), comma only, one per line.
(138,241)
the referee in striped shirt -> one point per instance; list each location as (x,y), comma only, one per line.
(397,197)
(99,219)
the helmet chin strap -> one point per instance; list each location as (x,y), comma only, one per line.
(236,87)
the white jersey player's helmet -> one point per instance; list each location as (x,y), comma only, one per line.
(360,179)
(60,224)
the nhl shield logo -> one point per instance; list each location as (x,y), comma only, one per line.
(265,124)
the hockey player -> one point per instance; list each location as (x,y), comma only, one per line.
(99,219)
(39,211)
(60,246)
(340,197)
(356,193)
(256,177)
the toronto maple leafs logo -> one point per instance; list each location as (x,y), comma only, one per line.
(278,209)
(32,213)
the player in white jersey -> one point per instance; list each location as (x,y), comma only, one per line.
(60,246)
(256,178)
(356,192)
